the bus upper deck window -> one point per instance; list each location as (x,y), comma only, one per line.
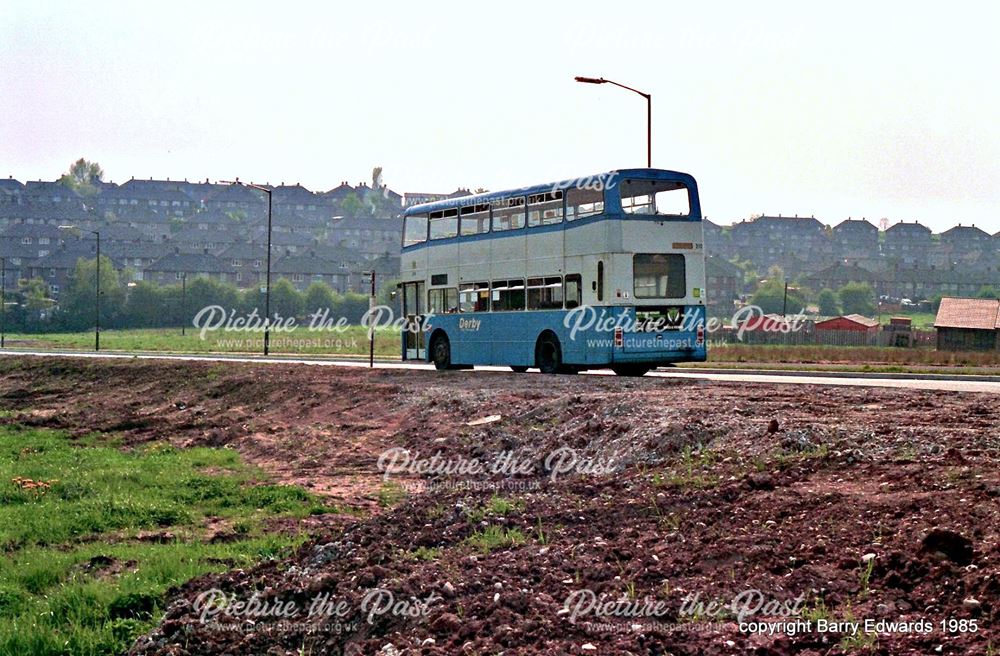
(475,219)
(415,229)
(444,224)
(664,197)
(545,209)
(508,214)
(581,203)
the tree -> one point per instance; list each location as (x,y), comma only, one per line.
(387,293)
(829,304)
(352,206)
(770,297)
(988,291)
(286,301)
(28,306)
(857,298)
(319,297)
(77,303)
(145,307)
(203,292)
(83,177)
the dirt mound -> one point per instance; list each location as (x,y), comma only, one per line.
(688,509)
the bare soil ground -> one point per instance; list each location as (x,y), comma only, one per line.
(859,503)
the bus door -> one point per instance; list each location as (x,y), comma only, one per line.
(413,310)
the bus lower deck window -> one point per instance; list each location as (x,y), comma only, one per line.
(474,297)
(442,301)
(574,291)
(508,295)
(545,293)
(658,275)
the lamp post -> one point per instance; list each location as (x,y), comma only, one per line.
(3,301)
(184,284)
(97,299)
(267,289)
(649,111)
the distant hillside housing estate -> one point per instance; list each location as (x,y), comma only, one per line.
(164,230)
(340,234)
(905,261)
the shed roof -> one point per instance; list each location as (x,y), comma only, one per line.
(976,313)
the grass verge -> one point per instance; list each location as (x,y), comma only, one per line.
(91,536)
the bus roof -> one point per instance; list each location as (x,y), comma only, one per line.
(597,181)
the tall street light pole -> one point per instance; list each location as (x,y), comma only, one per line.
(267,289)
(184,284)
(3,301)
(649,111)
(97,299)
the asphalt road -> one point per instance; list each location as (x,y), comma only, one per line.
(943,383)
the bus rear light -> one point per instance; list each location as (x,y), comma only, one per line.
(700,335)
(619,337)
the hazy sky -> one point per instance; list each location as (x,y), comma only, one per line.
(856,109)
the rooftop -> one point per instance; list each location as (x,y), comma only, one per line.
(976,313)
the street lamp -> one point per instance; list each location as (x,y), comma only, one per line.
(267,292)
(97,299)
(184,284)
(649,111)
(3,301)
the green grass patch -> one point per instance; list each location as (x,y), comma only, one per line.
(390,494)
(352,342)
(497,506)
(78,572)
(492,537)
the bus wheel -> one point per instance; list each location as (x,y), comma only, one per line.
(630,369)
(518,370)
(548,355)
(441,352)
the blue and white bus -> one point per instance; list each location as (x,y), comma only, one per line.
(597,272)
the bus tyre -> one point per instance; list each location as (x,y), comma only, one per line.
(441,352)
(630,369)
(548,355)
(518,370)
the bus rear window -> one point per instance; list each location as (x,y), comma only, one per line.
(444,224)
(415,229)
(659,275)
(664,197)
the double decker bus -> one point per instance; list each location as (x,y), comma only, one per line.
(597,272)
